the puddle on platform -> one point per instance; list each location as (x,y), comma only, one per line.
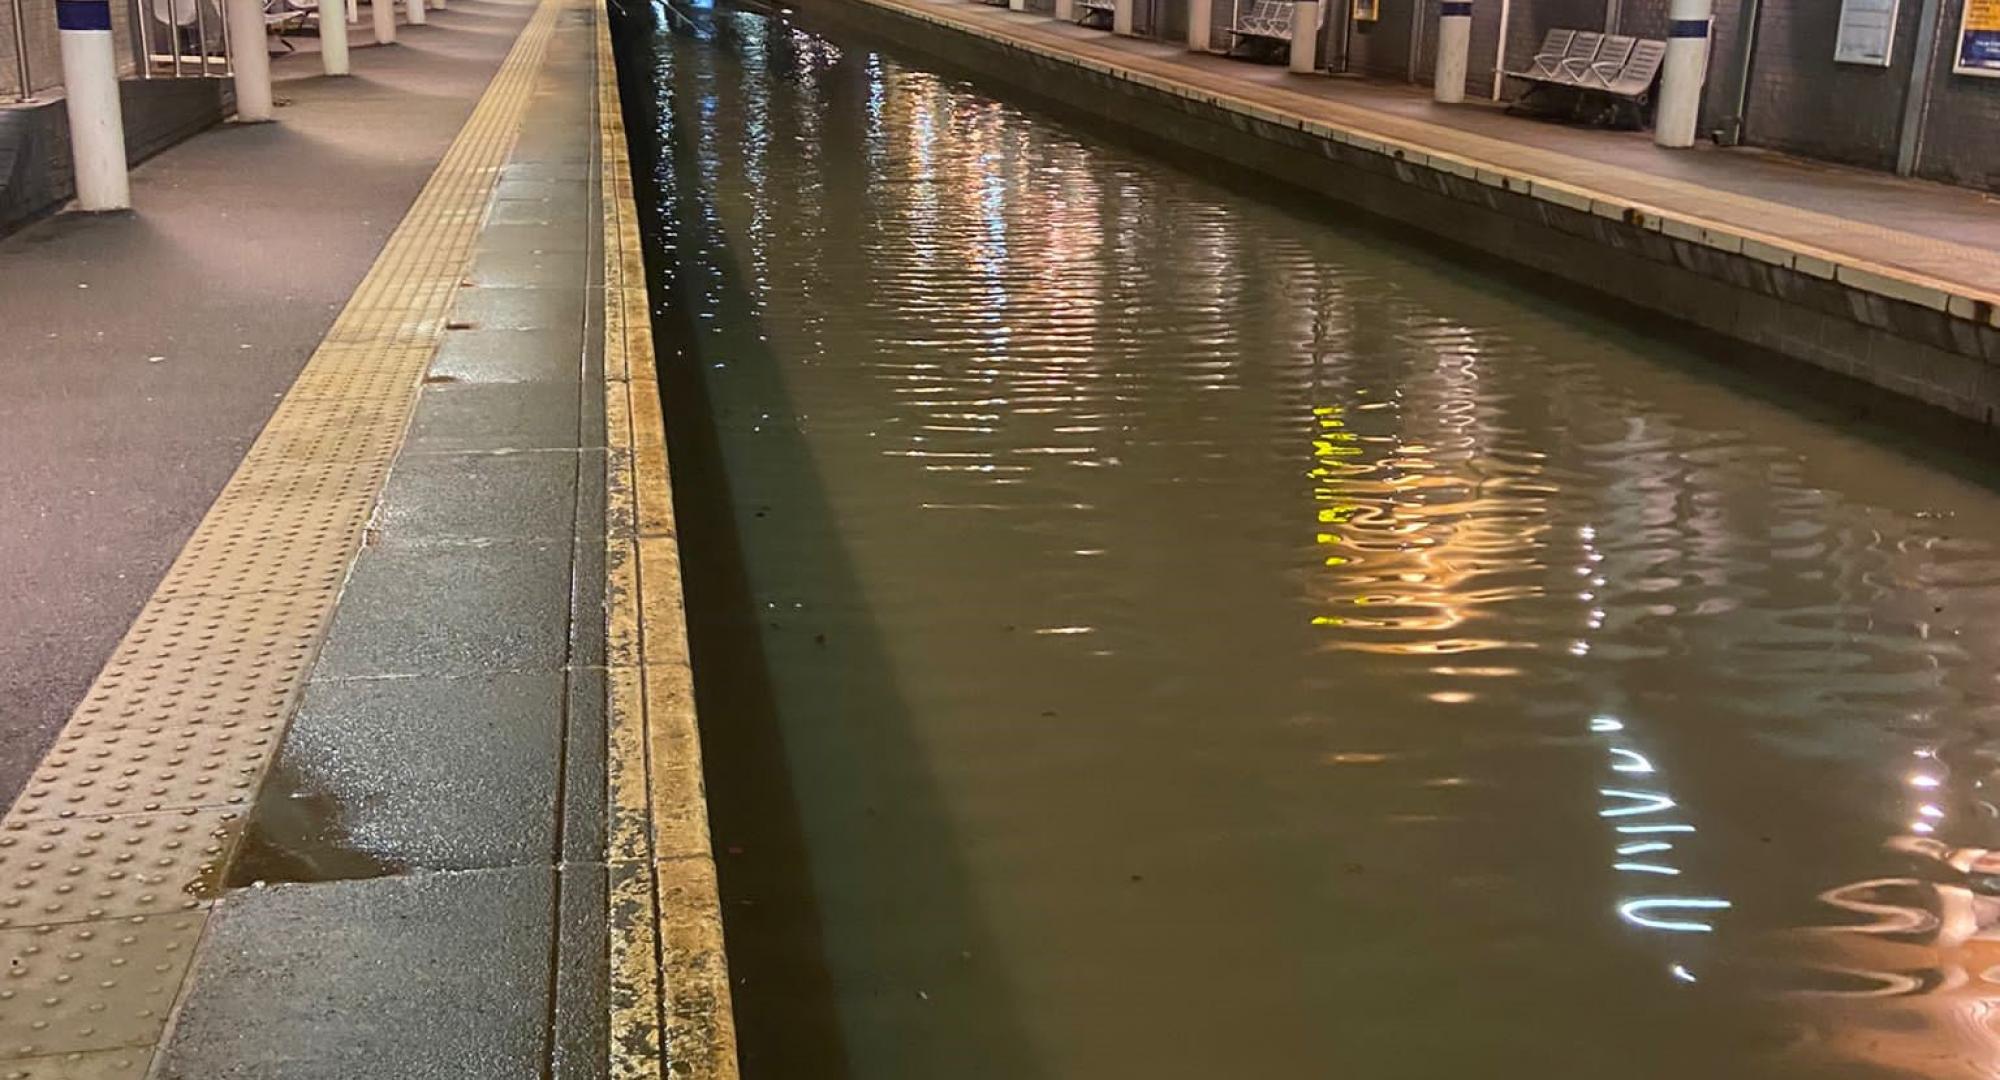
(297,834)
(1147,631)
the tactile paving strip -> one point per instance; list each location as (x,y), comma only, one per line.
(107,854)
(138,864)
(91,985)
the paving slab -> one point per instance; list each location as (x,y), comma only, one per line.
(421,977)
(516,495)
(504,356)
(497,416)
(427,772)
(459,609)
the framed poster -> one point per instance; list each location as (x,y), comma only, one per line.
(1978,50)
(1867,32)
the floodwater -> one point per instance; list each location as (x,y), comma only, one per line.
(1147,630)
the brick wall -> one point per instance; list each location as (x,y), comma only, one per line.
(1961,129)
(1382,48)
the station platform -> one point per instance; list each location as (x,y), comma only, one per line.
(1890,285)
(1921,229)
(355,731)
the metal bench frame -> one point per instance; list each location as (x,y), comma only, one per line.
(1087,9)
(1610,75)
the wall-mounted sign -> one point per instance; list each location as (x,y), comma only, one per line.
(1367,10)
(1978,39)
(1867,32)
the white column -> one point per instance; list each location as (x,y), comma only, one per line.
(1121,17)
(96,119)
(1017,5)
(251,58)
(1066,10)
(1683,71)
(333,35)
(416,16)
(1454,48)
(384,13)
(354,12)
(1201,19)
(1305,36)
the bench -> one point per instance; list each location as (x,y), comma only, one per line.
(1585,68)
(1089,9)
(283,16)
(1270,20)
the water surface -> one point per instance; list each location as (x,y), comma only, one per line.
(1149,631)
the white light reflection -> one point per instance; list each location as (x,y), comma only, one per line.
(1637,802)
(1638,912)
(1669,914)
(1629,761)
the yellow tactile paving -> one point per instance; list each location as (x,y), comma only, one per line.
(106,855)
(670,1009)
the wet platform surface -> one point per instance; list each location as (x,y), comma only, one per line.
(338,798)
(144,352)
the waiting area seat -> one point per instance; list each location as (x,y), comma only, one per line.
(1588,75)
(1269,20)
(1086,10)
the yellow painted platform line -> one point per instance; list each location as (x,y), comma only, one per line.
(106,856)
(670,1008)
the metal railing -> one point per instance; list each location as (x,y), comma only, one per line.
(180,39)
(156,39)
(21,48)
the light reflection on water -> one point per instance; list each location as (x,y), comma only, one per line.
(1208,641)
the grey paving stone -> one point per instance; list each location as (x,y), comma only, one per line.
(440,773)
(496,416)
(575,171)
(505,307)
(590,493)
(525,267)
(509,356)
(582,1003)
(521,495)
(531,237)
(451,609)
(548,207)
(584,767)
(435,976)
(518,188)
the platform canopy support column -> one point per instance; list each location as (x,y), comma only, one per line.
(90,95)
(1454,51)
(1683,72)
